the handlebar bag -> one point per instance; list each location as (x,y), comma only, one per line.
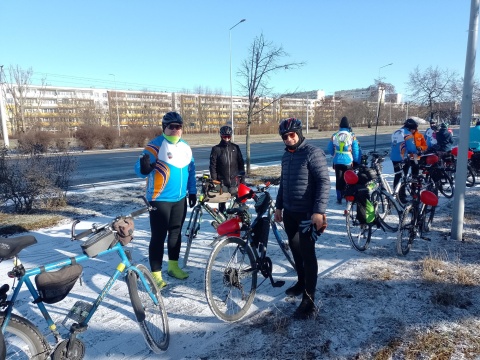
(101,241)
(54,286)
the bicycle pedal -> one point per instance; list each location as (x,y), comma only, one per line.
(278,283)
(425,238)
(78,313)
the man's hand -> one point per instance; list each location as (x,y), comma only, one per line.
(319,222)
(278,215)
(192,200)
(145,166)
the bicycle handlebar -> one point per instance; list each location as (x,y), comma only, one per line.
(96,228)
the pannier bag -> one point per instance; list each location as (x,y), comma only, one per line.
(54,286)
(365,175)
(124,227)
(260,231)
(365,209)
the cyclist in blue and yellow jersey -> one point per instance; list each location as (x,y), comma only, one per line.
(169,167)
(344,148)
(403,145)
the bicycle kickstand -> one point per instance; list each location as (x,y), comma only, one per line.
(278,283)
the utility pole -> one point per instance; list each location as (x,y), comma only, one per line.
(3,113)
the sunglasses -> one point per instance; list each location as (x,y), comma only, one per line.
(174,127)
(290,135)
(226,136)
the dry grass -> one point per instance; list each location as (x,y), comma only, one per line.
(15,223)
(437,268)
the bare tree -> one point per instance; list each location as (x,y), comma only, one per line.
(431,86)
(18,85)
(263,60)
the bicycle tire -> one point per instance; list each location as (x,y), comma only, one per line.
(192,227)
(406,232)
(470,177)
(358,234)
(278,230)
(386,211)
(428,214)
(445,185)
(230,279)
(23,340)
(152,319)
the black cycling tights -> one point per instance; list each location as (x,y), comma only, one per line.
(303,250)
(168,219)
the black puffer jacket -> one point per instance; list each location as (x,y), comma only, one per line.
(305,183)
(226,162)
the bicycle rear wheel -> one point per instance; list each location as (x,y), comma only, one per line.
(152,318)
(407,231)
(230,279)
(358,233)
(282,239)
(387,211)
(192,229)
(23,340)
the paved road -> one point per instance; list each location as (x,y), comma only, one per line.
(117,165)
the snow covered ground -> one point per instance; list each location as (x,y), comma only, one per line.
(366,300)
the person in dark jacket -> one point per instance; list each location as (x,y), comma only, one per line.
(444,139)
(301,204)
(226,162)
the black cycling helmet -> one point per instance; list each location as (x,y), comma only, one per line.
(410,124)
(444,125)
(226,131)
(171,117)
(290,125)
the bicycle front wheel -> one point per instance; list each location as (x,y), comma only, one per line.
(152,318)
(407,231)
(386,211)
(282,239)
(358,233)
(23,340)
(192,228)
(230,279)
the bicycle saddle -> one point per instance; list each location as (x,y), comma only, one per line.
(12,246)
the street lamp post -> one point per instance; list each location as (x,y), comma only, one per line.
(381,67)
(231,91)
(116,102)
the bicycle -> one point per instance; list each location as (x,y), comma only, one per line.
(472,171)
(235,260)
(55,280)
(416,217)
(207,194)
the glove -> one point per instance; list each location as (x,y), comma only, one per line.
(145,166)
(192,200)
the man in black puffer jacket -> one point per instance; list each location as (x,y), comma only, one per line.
(226,161)
(301,204)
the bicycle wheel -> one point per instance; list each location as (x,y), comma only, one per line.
(407,231)
(359,234)
(23,340)
(445,185)
(386,211)
(282,239)
(470,176)
(230,279)
(192,229)
(152,319)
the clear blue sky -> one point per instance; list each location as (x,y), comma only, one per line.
(175,45)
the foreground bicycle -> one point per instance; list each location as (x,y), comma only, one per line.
(235,261)
(24,340)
